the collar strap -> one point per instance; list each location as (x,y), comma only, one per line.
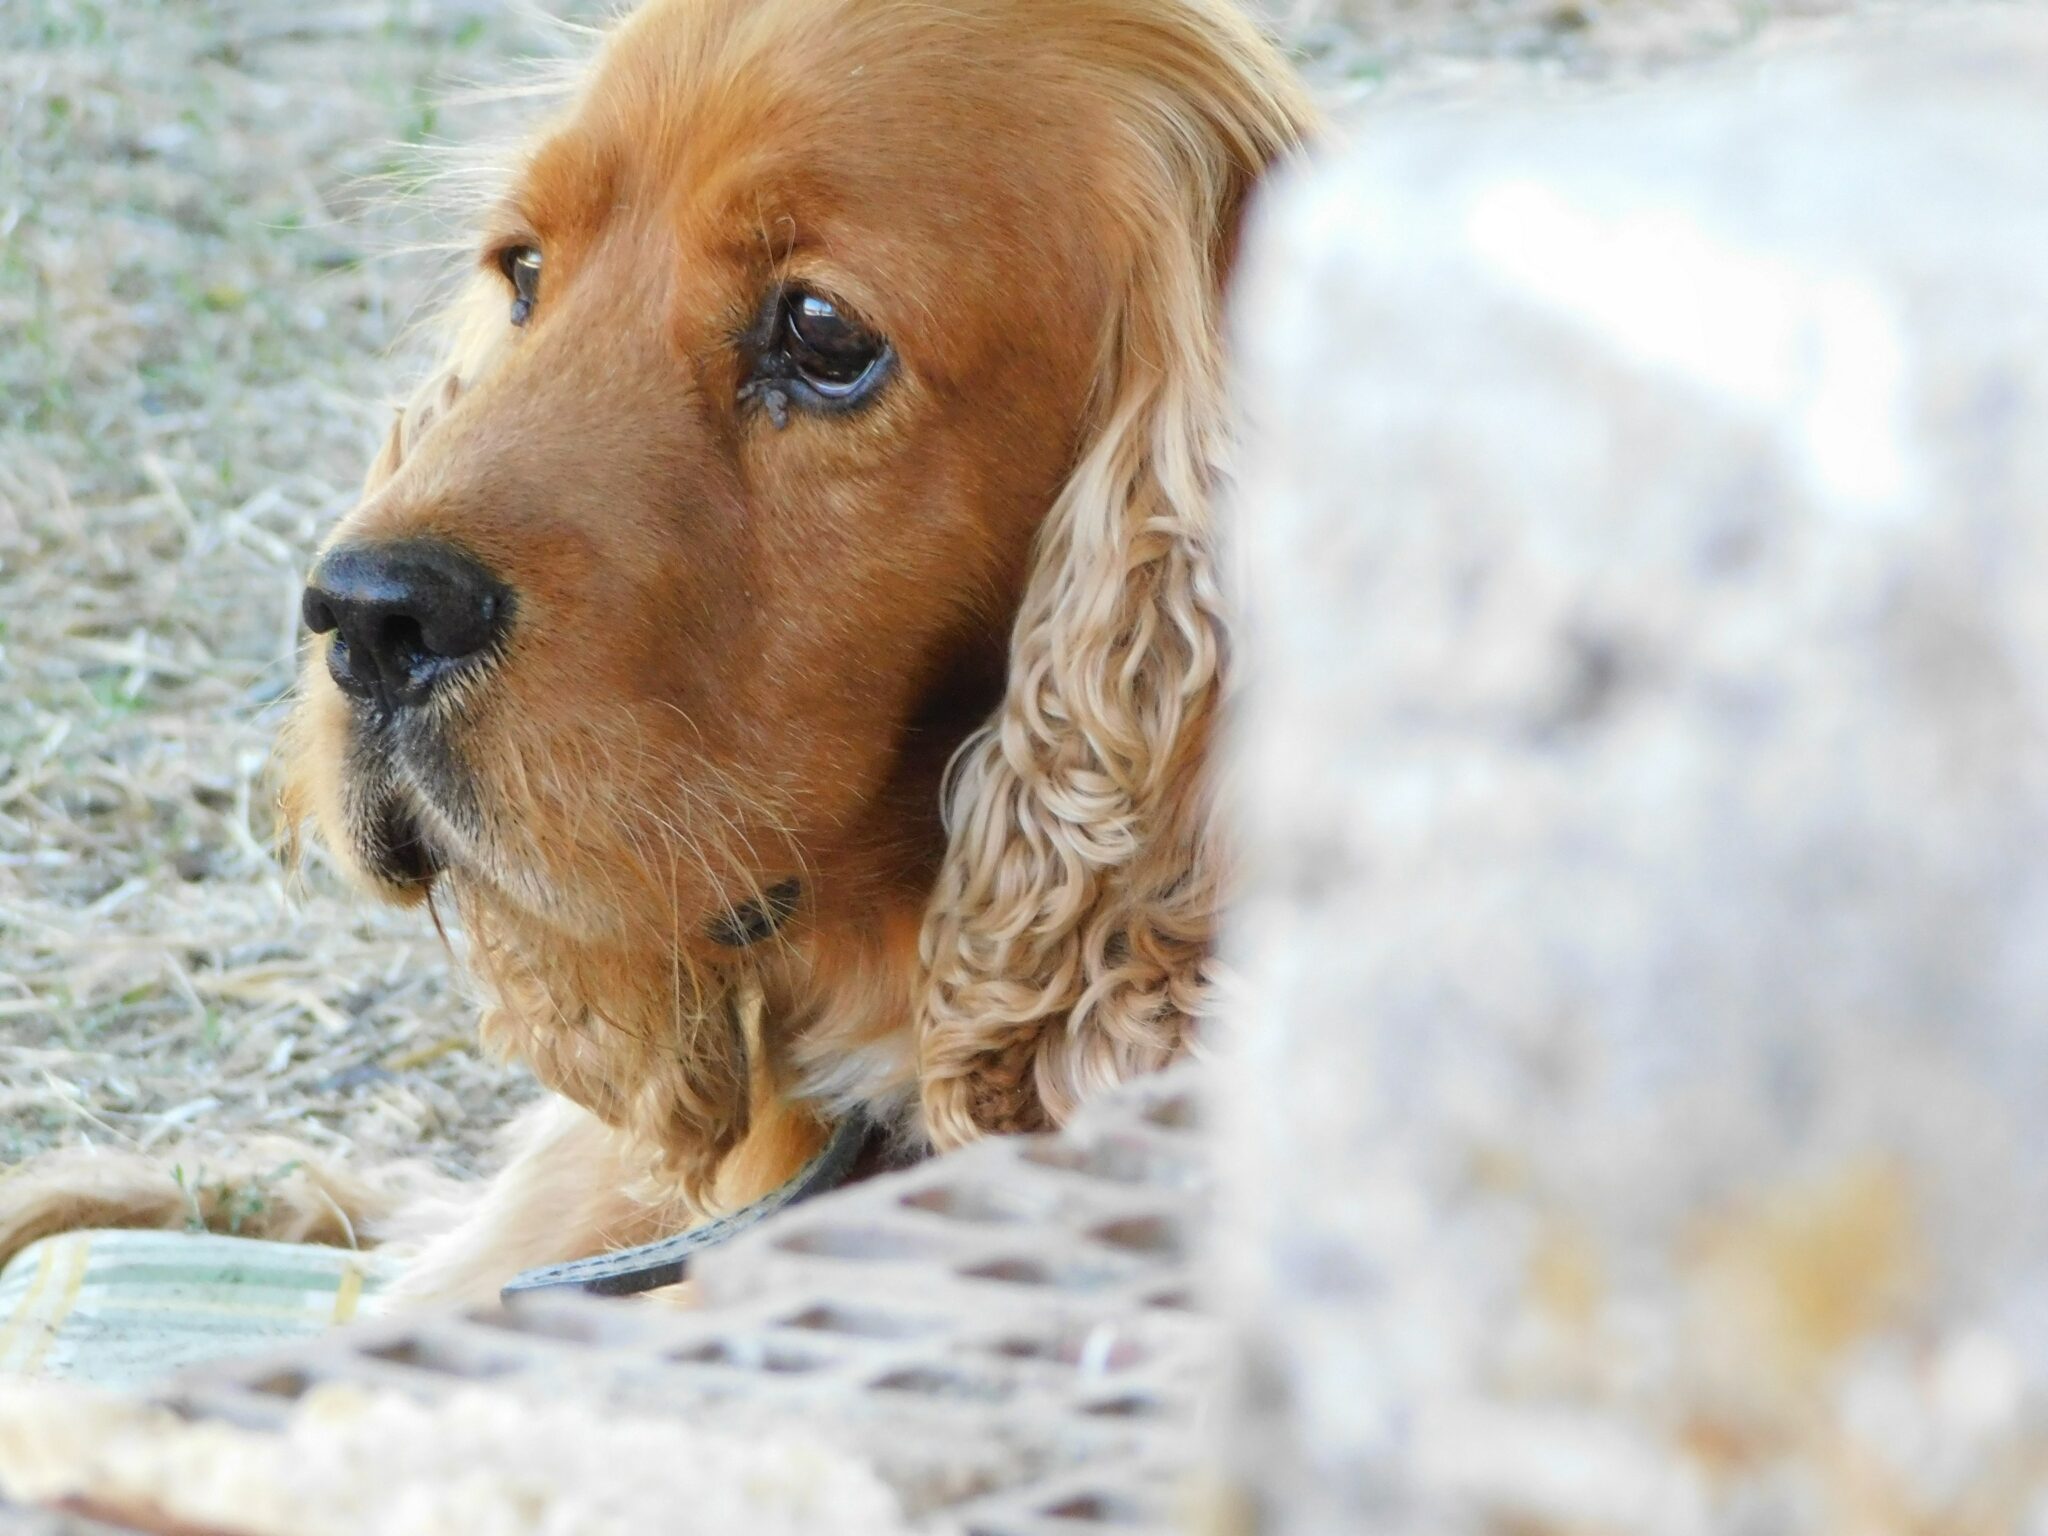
(629,1271)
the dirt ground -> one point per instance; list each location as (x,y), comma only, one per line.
(211,217)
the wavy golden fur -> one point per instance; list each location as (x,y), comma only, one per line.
(921,679)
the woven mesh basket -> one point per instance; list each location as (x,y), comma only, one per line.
(1007,1333)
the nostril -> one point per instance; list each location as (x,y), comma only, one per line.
(317,612)
(456,628)
(399,637)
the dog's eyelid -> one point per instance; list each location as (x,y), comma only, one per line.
(498,248)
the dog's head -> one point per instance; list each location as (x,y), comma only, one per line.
(836,400)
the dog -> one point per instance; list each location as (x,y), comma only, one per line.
(788,628)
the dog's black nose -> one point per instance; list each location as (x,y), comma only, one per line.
(404,615)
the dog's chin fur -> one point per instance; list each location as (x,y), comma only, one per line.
(608,1009)
(613,997)
(753,646)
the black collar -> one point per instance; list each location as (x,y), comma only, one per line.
(632,1270)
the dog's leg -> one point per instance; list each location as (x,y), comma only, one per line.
(575,1188)
(268,1188)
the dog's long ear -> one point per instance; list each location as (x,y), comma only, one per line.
(1068,939)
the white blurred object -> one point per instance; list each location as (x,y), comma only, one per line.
(1637,1114)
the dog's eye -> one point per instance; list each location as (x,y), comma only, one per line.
(806,352)
(521,266)
(828,349)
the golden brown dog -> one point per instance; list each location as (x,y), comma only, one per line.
(788,629)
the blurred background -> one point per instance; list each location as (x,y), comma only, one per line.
(218,234)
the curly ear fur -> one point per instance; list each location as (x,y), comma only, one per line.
(1067,942)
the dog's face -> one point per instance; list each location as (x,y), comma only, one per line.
(782,346)
(839,390)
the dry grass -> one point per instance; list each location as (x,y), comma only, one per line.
(195,344)
(194,335)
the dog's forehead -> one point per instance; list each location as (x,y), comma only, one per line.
(785,122)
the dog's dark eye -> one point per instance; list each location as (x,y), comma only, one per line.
(808,353)
(828,349)
(521,266)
